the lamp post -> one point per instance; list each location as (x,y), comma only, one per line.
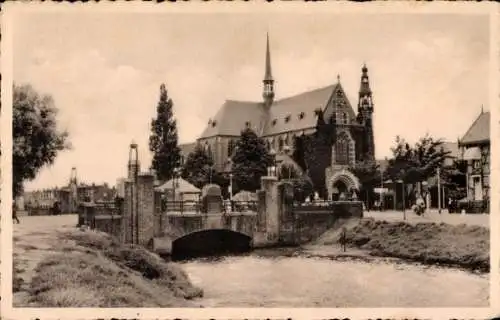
(403,196)
(229,161)
(438,173)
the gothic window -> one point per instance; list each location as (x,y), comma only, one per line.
(301,115)
(287,118)
(344,117)
(342,150)
(281,143)
(214,123)
(274,122)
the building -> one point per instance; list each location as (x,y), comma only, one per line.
(68,196)
(475,146)
(283,122)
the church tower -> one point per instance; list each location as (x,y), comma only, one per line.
(268,92)
(365,113)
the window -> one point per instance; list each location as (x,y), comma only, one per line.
(342,150)
(287,118)
(344,117)
(274,122)
(476,164)
(214,123)
(230,147)
(281,143)
(301,115)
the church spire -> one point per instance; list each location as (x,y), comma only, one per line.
(268,93)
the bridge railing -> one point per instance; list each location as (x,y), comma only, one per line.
(181,207)
(240,206)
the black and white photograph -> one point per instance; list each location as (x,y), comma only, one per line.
(250,158)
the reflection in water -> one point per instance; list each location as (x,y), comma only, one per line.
(295,281)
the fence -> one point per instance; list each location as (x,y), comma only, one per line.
(200,207)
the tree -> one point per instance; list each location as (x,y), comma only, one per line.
(250,161)
(454,177)
(163,141)
(369,175)
(198,167)
(36,138)
(416,163)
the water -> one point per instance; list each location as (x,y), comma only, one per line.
(299,281)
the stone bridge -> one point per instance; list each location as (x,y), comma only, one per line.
(275,221)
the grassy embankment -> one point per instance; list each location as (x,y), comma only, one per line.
(465,246)
(94,270)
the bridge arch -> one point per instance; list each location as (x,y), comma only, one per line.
(210,242)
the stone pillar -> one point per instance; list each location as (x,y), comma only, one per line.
(146,209)
(128,212)
(158,222)
(272,215)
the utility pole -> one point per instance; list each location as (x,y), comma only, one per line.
(439,189)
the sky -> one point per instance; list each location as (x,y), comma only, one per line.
(428,73)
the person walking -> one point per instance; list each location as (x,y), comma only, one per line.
(14,213)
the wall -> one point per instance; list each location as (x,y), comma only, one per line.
(102,217)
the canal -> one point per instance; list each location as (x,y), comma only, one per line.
(264,279)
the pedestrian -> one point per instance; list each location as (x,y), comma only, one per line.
(14,213)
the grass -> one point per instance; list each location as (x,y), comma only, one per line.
(430,243)
(94,270)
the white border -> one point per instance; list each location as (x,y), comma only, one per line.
(10,9)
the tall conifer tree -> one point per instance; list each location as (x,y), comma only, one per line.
(163,141)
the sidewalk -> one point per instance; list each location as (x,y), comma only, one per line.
(431,216)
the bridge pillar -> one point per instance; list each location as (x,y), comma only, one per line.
(146,209)
(271,215)
(128,214)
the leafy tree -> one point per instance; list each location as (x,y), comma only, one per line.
(318,151)
(455,179)
(416,163)
(250,161)
(36,138)
(198,167)
(369,175)
(163,141)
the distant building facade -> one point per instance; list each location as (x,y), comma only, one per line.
(475,146)
(68,196)
(281,122)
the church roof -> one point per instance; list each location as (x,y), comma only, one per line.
(297,112)
(233,117)
(479,131)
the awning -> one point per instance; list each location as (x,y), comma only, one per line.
(473,153)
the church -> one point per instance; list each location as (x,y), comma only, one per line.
(324,115)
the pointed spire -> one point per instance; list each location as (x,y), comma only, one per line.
(268,81)
(269,74)
(482,109)
(338,78)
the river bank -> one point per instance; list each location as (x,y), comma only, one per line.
(100,272)
(430,243)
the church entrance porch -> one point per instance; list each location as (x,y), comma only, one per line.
(341,185)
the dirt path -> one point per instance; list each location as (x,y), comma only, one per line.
(34,239)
